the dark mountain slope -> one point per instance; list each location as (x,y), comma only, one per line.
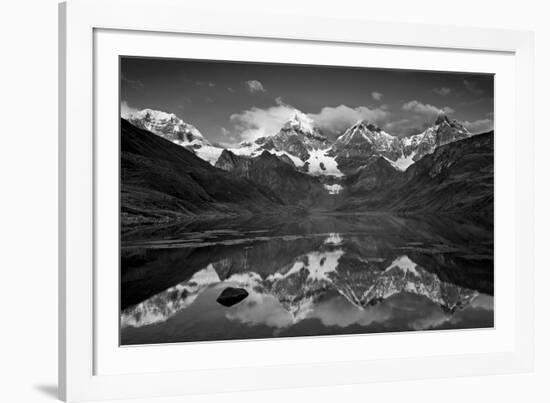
(282,178)
(377,173)
(161,181)
(455,178)
(231,162)
(362,141)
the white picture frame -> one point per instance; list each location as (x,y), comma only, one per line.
(80,378)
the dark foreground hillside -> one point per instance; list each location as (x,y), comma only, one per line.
(161,182)
(456,178)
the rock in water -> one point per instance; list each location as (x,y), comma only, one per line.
(231,296)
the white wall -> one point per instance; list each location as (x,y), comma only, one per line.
(28,169)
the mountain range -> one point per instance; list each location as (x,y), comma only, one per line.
(305,145)
(171,171)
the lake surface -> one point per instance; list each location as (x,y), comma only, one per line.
(318,275)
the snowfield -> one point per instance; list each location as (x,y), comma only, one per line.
(208,153)
(402,163)
(256,151)
(318,157)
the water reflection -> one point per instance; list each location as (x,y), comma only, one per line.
(321,275)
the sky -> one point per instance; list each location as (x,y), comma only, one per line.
(230,102)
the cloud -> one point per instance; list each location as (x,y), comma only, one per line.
(256,122)
(426,109)
(126,110)
(483,302)
(254,86)
(261,309)
(229,140)
(411,129)
(479,126)
(408,126)
(443,91)
(397,125)
(473,87)
(334,120)
(377,96)
(339,312)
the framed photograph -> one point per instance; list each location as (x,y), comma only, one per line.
(242,209)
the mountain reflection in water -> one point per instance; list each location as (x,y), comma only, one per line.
(316,276)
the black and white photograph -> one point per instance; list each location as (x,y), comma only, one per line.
(262,200)
(275,202)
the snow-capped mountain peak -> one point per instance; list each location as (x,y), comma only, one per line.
(364,131)
(168,126)
(357,132)
(298,137)
(442,132)
(154,115)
